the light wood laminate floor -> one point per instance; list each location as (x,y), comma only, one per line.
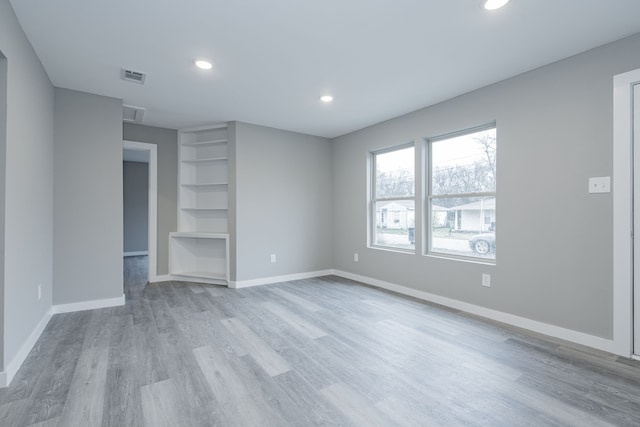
(317,352)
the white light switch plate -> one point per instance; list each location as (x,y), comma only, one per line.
(600,184)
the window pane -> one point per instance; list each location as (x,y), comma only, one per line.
(464,226)
(395,173)
(395,224)
(464,164)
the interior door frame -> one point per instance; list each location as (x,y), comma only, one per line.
(623,85)
(152,222)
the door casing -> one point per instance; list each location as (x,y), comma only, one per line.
(623,86)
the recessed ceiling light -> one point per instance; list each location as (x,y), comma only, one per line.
(203,64)
(494,4)
(326,98)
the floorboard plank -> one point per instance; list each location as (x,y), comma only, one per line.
(85,401)
(159,405)
(122,405)
(354,406)
(239,399)
(271,361)
(296,322)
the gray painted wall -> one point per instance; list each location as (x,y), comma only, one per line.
(87,261)
(136,206)
(167,143)
(554,240)
(28,182)
(283,183)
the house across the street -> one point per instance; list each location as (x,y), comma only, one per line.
(477,216)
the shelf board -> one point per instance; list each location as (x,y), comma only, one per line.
(198,235)
(202,143)
(209,159)
(205,209)
(202,274)
(206,184)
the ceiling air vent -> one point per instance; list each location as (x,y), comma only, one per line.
(131,114)
(133,76)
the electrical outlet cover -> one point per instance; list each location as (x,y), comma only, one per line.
(486,280)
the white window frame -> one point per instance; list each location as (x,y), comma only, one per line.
(430,197)
(373,200)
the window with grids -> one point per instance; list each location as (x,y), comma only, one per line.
(392,210)
(462,194)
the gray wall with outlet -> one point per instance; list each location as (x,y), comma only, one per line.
(554,242)
(283,205)
(26,104)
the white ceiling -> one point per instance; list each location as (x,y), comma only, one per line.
(274,58)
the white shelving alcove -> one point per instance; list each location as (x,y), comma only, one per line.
(200,257)
(199,250)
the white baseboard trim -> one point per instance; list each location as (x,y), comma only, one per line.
(510,319)
(12,368)
(88,305)
(163,278)
(138,253)
(278,279)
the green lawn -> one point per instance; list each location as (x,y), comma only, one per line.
(392,230)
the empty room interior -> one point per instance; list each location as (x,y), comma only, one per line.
(285,213)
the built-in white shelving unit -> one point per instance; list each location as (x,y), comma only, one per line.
(199,250)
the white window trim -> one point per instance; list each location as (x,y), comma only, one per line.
(426,218)
(371,232)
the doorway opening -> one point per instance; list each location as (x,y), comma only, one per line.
(140,260)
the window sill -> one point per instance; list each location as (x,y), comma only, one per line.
(472,260)
(392,249)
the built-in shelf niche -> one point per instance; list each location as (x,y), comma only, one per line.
(200,247)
